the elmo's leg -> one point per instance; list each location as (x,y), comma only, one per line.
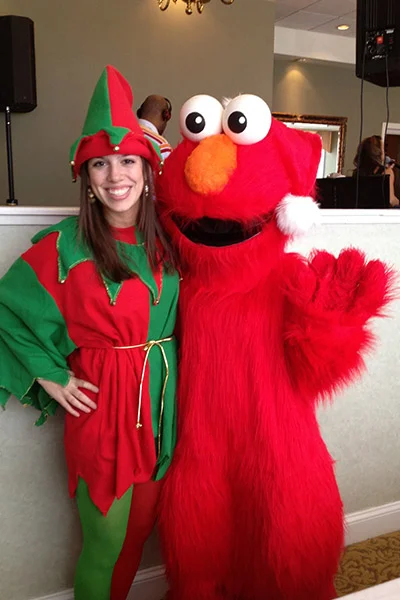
(195,529)
(288,529)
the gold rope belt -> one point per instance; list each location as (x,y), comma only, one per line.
(147,347)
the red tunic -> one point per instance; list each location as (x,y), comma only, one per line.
(105,447)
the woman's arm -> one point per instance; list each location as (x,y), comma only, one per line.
(394,201)
(34,346)
(70,397)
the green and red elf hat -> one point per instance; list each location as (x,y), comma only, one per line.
(111,125)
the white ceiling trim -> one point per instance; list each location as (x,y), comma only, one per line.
(314,46)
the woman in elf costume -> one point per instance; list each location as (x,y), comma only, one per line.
(87,316)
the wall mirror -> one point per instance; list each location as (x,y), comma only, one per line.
(332,131)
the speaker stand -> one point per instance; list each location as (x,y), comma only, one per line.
(12,201)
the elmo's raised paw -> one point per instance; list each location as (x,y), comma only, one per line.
(350,284)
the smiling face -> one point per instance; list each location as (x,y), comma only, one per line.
(117,182)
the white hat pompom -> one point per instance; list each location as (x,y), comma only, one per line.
(296,215)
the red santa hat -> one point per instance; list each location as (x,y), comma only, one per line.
(298,211)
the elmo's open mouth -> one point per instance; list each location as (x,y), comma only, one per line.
(218,232)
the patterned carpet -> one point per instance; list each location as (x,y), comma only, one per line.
(369,563)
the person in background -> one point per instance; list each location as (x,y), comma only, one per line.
(390,162)
(153,115)
(87,317)
(370,160)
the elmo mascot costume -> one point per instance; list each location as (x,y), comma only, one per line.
(251,509)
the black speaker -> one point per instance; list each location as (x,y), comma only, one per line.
(378,41)
(17,64)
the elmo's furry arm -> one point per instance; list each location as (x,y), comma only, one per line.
(328,302)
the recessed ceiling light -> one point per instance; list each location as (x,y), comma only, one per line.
(343,27)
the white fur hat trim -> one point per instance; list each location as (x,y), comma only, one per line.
(296,215)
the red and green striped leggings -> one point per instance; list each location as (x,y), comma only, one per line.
(113,544)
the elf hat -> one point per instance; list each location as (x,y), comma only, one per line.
(111,126)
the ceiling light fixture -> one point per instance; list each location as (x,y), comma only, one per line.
(190,4)
(343,27)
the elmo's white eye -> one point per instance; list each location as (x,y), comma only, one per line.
(200,117)
(246,119)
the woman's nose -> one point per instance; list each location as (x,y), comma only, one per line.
(114,172)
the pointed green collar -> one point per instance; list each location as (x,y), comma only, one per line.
(72,251)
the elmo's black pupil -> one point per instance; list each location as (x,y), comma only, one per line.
(195,122)
(237,122)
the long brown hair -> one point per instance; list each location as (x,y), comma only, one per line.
(96,234)
(369,156)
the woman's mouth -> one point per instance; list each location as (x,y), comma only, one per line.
(119,193)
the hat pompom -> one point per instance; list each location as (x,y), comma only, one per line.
(296,215)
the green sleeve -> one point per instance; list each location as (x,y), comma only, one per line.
(34,341)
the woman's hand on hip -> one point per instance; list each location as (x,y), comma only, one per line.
(70,397)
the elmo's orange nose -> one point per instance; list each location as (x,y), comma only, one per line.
(210,166)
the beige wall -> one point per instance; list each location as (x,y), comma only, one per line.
(333,90)
(224,51)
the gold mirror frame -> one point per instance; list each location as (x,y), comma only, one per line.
(340,122)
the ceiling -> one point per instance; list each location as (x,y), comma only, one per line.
(322,16)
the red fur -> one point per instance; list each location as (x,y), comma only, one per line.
(250,507)
(265,172)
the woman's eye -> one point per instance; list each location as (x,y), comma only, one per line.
(129,161)
(98,163)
